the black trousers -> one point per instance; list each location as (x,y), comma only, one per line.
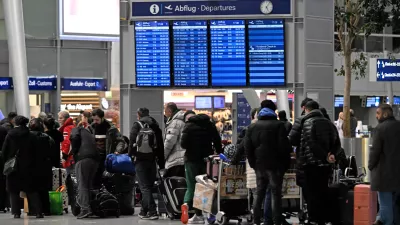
(35,204)
(146,175)
(317,190)
(272,179)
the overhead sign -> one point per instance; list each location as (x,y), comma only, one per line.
(84,84)
(6,83)
(237,8)
(42,83)
(243,113)
(384,69)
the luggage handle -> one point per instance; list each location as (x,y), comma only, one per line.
(60,189)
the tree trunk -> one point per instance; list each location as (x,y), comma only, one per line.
(347,89)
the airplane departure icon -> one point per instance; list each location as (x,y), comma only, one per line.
(169,7)
(251,22)
(213,23)
(175,23)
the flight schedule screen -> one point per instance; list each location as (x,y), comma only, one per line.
(228,54)
(266,52)
(190,53)
(152,54)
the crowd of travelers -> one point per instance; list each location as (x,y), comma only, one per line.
(269,144)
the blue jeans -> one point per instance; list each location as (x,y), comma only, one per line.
(389,213)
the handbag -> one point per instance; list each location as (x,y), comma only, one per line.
(11,165)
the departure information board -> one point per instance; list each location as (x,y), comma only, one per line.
(266,52)
(228,55)
(190,53)
(152,54)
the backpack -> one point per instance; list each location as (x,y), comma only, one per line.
(146,139)
(321,128)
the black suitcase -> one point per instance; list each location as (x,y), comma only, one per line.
(341,204)
(171,194)
(121,186)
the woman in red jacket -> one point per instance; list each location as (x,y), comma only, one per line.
(67,124)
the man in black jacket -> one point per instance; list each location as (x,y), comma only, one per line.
(198,138)
(319,143)
(86,156)
(384,159)
(268,152)
(146,162)
(8,122)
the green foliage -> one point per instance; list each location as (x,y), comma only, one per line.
(359,66)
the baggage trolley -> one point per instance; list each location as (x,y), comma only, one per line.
(231,193)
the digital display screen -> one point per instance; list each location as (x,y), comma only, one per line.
(190,53)
(219,102)
(396,100)
(76,20)
(152,54)
(339,101)
(228,53)
(373,101)
(203,102)
(266,52)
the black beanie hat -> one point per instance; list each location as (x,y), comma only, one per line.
(188,112)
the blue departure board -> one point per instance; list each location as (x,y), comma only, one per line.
(152,54)
(228,54)
(266,52)
(190,53)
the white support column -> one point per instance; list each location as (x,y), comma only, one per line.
(252,98)
(282,101)
(14,20)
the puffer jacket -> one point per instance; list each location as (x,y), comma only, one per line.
(173,152)
(199,137)
(108,138)
(266,144)
(312,153)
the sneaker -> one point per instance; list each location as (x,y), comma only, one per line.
(17,216)
(84,214)
(196,220)
(150,216)
(142,215)
(185,213)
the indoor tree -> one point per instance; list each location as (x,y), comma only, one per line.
(355,18)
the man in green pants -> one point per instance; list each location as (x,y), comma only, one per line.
(200,137)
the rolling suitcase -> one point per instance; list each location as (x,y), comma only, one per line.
(171,194)
(59,179)
(213,167)
(365,205)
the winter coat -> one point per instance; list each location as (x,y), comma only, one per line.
(6,123)
(83,144)
(310,152)
(31,160)
(199,138)
(57,137)
(266,144)
(66,144)
(158,152)
(173,152)
(3,135)
(108,138)
(384,157)
(288,126)
(44,146)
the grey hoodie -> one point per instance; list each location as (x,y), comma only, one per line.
(173,152)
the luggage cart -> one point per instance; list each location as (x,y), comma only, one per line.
(231,194)
(292,194)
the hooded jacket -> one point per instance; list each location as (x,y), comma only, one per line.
(199,138)
(158,152)
(384,156)
(66,130)
(173,152)
(266,144)
(108,138)
(83,144)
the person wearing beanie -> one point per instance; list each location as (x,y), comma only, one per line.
(146,169)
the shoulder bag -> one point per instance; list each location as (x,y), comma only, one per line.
(10,166)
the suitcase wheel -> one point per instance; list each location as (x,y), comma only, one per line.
(249,218)
(211,219)
(224,220)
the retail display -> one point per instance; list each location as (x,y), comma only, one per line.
(223,122)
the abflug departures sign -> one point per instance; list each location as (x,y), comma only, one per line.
(384,70)
(245,52)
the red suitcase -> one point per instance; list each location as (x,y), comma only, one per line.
(213,167)
(365,205)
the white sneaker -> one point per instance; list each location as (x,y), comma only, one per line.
(196,220)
